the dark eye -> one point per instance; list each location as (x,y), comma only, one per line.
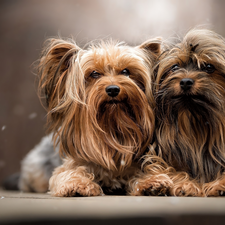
(174,67)
(125,72)
(208,68)
(95,74)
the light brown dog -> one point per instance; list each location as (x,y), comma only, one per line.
(99,103)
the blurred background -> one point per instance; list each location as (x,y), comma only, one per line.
(25,24)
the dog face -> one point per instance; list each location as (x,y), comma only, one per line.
(190,96)
(100,99)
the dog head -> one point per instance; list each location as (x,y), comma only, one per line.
(99,100)
(191,76)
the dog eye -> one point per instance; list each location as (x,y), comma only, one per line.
(208,68)
(95,74)
(125,72)
(174,67)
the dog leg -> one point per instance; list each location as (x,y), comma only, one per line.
(188,188)
(215,188)
(184,186)
(73,182)
(151,185)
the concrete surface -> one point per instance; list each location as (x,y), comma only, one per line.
(32,208)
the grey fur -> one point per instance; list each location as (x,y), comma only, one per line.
(38,165)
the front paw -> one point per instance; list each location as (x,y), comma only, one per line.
(78,188)
(155,185)
(214,189)
(187,188)
(215,192)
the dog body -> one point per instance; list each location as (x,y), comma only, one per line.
(99,104)
(190,124)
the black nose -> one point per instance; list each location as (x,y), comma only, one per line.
(186,83)
(112,90)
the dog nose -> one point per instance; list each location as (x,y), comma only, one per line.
(112,90)
(186,83)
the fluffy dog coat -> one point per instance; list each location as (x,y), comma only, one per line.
(190,125)
(99,104)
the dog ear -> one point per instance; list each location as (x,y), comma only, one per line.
(58,57)
(153,46)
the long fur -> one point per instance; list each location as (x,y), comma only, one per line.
(190,126)
(102,137)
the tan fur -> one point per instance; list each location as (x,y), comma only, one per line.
(102,137)
(190,125)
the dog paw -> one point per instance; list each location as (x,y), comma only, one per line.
(156,185)
(185,189)
(214,190)
(78,188)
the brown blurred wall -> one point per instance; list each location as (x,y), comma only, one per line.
(25,24)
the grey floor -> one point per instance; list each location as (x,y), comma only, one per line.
(30,208)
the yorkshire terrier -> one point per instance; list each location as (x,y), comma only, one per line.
(190,111)
(100,111)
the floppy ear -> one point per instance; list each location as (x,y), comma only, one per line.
(57,59)
(61,82)
(152,50)
(152,46)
